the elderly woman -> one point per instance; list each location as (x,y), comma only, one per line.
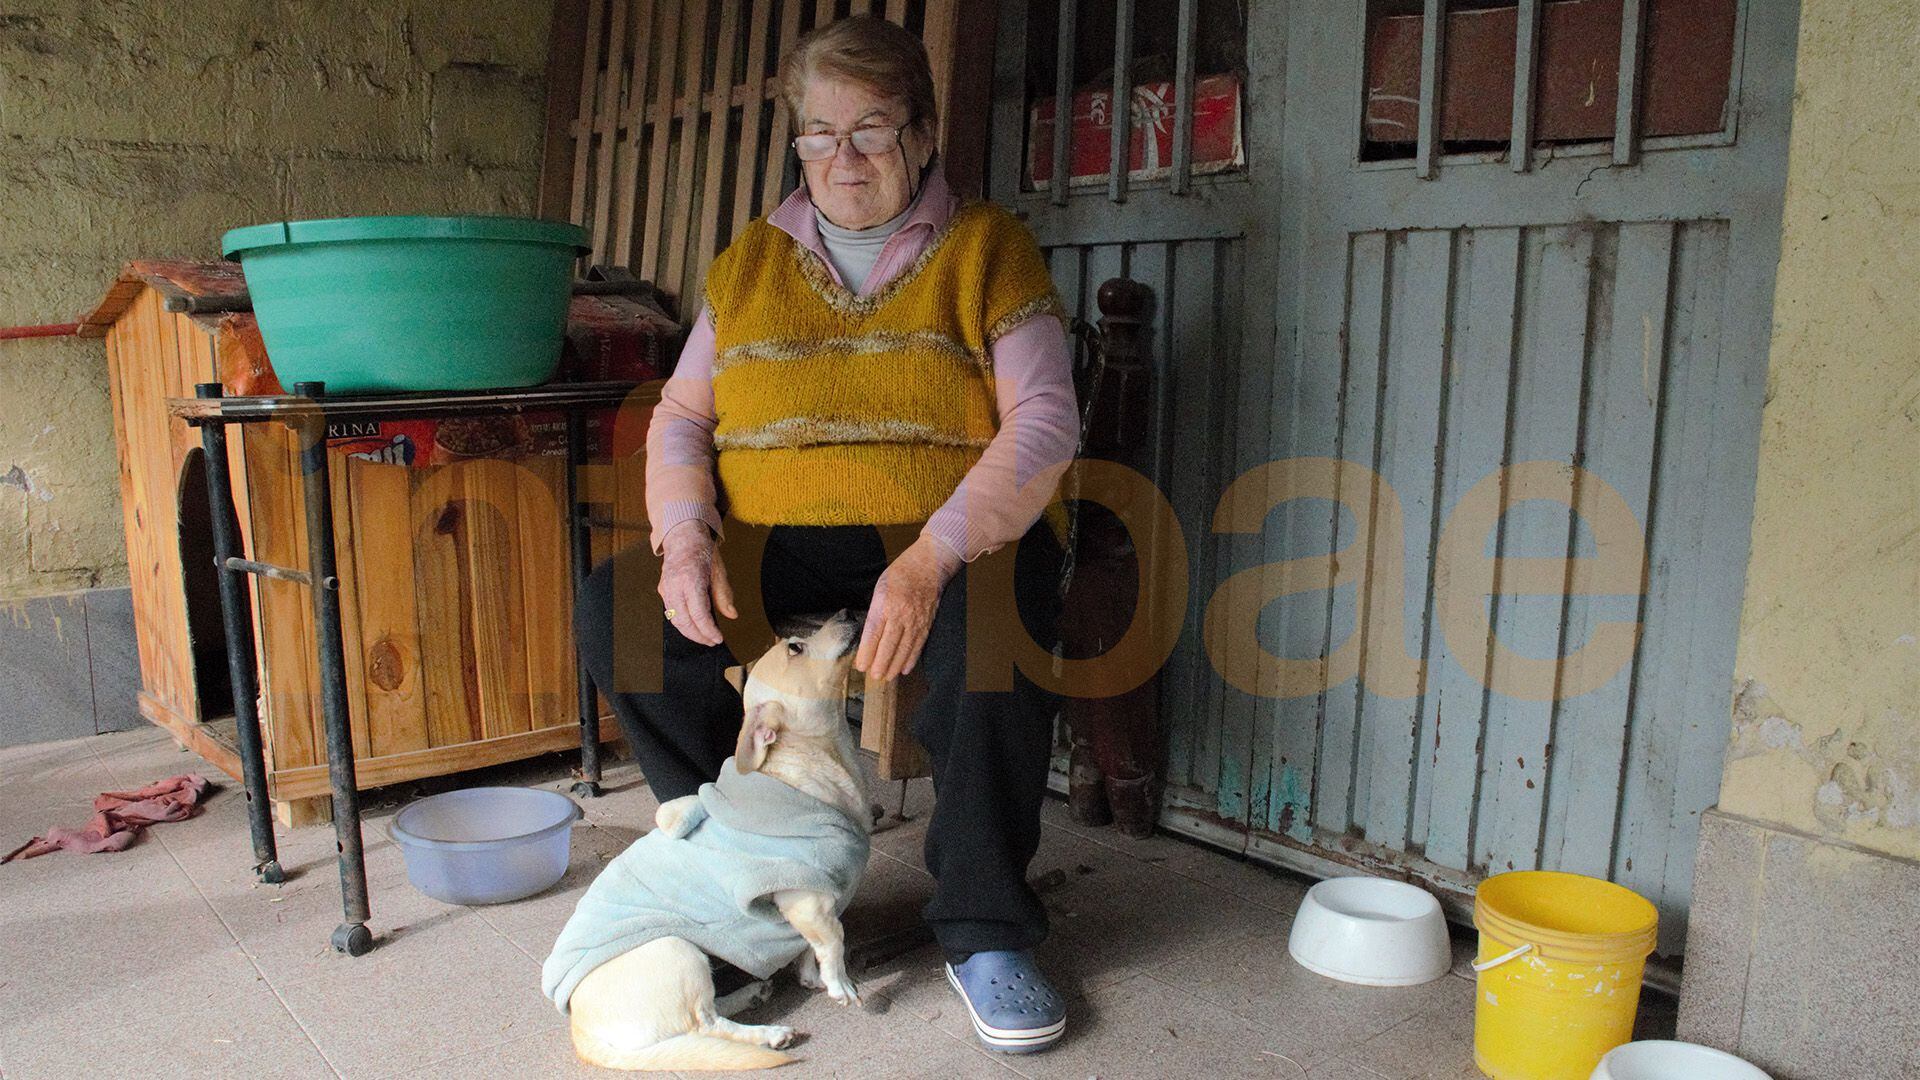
(873,353)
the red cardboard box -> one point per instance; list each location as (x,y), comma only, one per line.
(1686,72)
(1216,132)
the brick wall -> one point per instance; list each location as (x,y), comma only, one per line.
(148,128)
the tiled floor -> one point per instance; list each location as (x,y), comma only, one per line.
(169,959)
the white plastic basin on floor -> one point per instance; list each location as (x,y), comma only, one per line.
(486,845)
(1664,1059)
(1371,931)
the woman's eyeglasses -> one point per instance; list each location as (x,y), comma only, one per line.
(870,141)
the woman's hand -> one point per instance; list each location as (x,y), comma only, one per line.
(901,612)
(693,583)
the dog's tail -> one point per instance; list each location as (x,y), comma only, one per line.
(692,1052)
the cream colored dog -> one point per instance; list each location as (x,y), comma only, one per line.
(653,1008)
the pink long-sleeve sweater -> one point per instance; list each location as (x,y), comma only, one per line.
(999,498)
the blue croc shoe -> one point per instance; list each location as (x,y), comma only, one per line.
(1014,1010)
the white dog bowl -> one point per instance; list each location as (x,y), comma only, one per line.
(1663,1059)
(1371,931)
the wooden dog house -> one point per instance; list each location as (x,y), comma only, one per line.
(456,621)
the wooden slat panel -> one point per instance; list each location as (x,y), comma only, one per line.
(1366,330)
(163,504)
(1412,415)
(1480,371)
(120,363)
(626,184)
(546,591)
(682,222)
(131,353)
(282,612)
(1527,628)
(440,598)
(783,123)
(308,657)
(346,568)
(607,127)
(566,59)
(438,761)
(1617,450)
(491,516)
(747,148)
(142,358)
(661,109)
(708,232)
(583,124)
(389,631)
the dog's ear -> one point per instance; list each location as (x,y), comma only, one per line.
(737,676)
(763,725)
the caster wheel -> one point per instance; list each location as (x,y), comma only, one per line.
(354,939)
(586,789)
(269,872)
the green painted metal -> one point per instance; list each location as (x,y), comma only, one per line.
(410,303)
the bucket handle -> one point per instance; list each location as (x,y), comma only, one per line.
(1484,965)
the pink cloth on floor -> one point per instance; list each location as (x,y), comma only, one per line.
(119,816)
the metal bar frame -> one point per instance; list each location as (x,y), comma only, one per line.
(580,552)
(1181,181)
(236,616)
(1432,40)
(307,412)
(1122,103)
(1063,102)
(351,936)
(1626,106)
(1526,68)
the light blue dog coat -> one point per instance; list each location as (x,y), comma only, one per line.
(712,879)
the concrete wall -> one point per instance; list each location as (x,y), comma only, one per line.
(1827,717)
(145,129)
(1803,946)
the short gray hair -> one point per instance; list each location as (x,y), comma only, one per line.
(868,50)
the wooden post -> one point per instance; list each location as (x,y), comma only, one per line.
(566,54)
(1123,730)
(959,35)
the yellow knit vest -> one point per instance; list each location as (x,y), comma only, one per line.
(839,409)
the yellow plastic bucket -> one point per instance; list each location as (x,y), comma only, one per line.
(1559,967)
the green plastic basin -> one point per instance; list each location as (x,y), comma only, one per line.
(410,303)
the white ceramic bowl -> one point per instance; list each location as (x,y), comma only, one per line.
(1663,1059)
(1371,931)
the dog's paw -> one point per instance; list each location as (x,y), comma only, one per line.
(843,990)
(780,1036)
(807,971)
(670,814)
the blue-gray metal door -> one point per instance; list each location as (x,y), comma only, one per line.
(1482,615)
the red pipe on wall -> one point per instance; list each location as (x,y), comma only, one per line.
(65,329)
